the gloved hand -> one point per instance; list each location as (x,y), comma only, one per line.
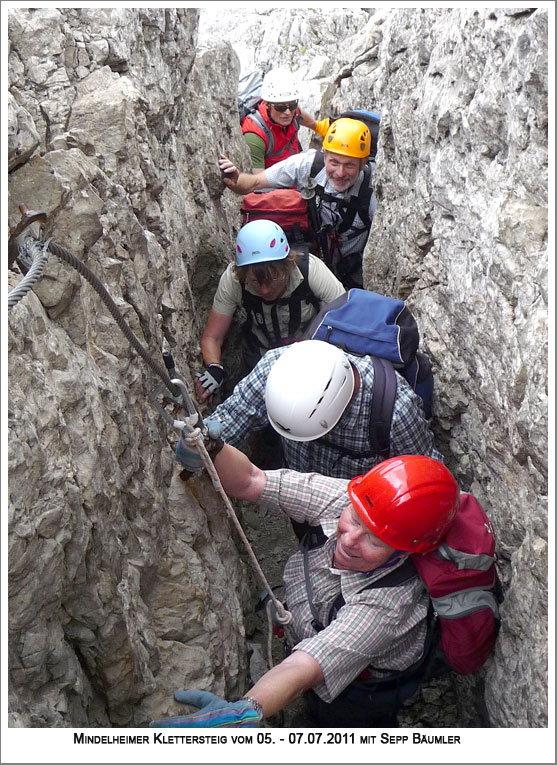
(187,453)
(321,126)
(214,712)
(214,428)
(211,378)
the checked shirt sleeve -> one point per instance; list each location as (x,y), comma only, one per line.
(305,496)
(410,431)
(244,410)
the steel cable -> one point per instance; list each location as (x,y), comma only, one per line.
(38,252)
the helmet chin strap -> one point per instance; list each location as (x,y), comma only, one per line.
(392,559)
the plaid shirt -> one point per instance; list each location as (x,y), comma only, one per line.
(345,451)
(384,627)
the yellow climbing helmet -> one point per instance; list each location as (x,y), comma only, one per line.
(349,137)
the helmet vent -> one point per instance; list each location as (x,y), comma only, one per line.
(321,398)
(282,427)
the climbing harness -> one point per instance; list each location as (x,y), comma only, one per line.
(32,255)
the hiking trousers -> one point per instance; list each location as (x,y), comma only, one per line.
(363,704)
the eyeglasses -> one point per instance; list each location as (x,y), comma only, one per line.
(293,105)
(256,284)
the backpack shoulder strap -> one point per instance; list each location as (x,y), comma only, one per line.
(394,578)
(359,203)
(293,142)
(314,538)
(258,118)
(318,163)
(303,292)
(382,404)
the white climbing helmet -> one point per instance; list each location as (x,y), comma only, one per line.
(260,241)
(308,388)
(279,86)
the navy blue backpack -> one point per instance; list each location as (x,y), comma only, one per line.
(365,323)
(372,120)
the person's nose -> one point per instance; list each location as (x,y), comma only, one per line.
(353,537)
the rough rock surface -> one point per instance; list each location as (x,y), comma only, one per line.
(461,233)
(122,587)
(104,133)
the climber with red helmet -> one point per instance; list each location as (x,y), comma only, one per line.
(338,183)
(281,290)
(271,131)
(358,645)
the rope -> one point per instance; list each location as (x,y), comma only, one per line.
(30,246)
(283,616)
(268,607)
(38,253)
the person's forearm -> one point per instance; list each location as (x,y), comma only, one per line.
(246,183)
(238,475)
(211,350)
(285,682)
(307,120)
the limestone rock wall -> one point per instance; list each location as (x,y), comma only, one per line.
(102,109)
(461,234)
(123,585)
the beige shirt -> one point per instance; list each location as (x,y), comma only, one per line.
(324,285)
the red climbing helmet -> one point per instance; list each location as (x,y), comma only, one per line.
(408,502)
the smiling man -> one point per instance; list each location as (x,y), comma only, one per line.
(339,189)
(356,641)
(271,131)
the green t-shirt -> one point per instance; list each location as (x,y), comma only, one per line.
(256,146)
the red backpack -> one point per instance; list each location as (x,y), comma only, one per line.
(464,587)
(283,206)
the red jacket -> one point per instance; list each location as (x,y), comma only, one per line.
(280,142)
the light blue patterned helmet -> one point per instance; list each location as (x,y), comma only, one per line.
(260,241)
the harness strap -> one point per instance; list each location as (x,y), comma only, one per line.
(254,307)
(432,662)
(276,325)
(315,538)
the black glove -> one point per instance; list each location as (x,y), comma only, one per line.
(212,377)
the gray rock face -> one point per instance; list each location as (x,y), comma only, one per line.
(122,587)
(461,232)
(124,583)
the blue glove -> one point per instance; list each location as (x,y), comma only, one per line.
(186,451)
(214,428)
(214,712)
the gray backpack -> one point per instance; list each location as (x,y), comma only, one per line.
(249,92)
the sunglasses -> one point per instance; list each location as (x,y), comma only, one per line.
(293,105)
